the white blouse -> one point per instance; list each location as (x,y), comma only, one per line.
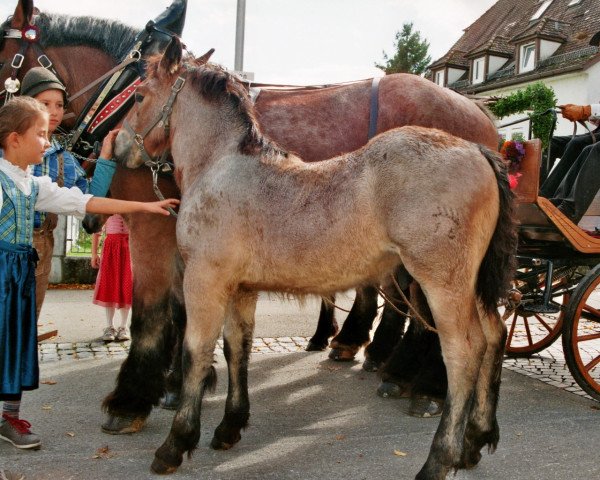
(51,198)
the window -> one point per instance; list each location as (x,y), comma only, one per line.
(541,10)
(439,78)
(527,62)
(574,2)
(478,70)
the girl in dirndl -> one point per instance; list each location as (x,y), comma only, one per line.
(24,139)
(114,285)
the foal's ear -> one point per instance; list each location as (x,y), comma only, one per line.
(172,56)
(23,14)
(204,58)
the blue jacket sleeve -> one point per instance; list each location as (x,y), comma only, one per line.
(103,174)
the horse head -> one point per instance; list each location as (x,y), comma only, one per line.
(147,126)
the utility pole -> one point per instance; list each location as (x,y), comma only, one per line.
(239,35)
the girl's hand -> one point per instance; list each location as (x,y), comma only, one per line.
(161,207)
(95,261)
(107,144)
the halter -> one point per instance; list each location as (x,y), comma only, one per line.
(160,163)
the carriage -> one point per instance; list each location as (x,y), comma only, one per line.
(557,285)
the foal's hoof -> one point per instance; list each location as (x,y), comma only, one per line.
(121,425)
(160,467)
(315,347)
(170,401)
(370,365)
(342,354)
(217,444)
(425,407)
(391,390)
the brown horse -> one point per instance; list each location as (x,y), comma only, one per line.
(249,216)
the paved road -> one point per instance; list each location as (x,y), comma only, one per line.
(311,419)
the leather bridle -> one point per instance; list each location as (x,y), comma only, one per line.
(158,164)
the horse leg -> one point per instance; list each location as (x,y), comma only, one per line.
(205,318)
(391,326)
(482,427)
(463,347)
(237,335)
(141,382)
(174,378)
(327,326)
(355,332)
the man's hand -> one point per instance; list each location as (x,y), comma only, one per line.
(576,113)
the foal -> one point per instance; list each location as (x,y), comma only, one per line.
(250,213)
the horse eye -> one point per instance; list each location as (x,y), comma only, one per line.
(139,97)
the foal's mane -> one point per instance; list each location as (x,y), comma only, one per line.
(110,36)
(215,84)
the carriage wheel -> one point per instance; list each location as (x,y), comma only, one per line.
(581,334)
(530,333)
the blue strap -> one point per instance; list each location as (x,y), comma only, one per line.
(374,107)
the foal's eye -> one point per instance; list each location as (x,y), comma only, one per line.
(139,97)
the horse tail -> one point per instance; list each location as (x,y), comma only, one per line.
(499,263)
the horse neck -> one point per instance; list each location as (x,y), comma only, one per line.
(202,134)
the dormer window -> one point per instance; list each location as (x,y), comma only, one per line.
(540,11)
(439,78)
(527,58)
(479,70)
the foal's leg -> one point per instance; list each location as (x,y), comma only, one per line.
(206,298)
(356,330)
(463,347)
(327,326)
(483,428)
(237,335)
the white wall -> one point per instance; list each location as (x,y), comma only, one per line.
(495,63)
(547,48)
(579,88)
(454,74)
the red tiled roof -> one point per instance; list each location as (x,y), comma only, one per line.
(507,22)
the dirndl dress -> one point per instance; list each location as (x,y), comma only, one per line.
(114,283)
(19,369)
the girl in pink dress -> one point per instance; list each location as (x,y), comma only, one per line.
(114,284)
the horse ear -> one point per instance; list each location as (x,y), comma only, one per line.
(172,56)
(204,58)
(23,14)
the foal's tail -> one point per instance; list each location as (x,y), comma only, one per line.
(498,266)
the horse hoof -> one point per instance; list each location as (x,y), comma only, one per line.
(115,425)
(341,355)
(425,407)
(315,347)
(170,401)
(160,467)
(217,444)
(370,365)
(391,390)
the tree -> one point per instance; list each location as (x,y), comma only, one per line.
(411,53)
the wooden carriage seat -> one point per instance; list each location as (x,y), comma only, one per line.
(538,218)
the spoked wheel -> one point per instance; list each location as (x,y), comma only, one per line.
(581,334)
(531,332)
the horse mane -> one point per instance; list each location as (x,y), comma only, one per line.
(215,84)
(110,36)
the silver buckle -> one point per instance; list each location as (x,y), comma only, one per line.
(17,58)
(43,58)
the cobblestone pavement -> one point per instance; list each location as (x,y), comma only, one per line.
(548,366)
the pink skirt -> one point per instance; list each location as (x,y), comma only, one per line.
(114,284)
